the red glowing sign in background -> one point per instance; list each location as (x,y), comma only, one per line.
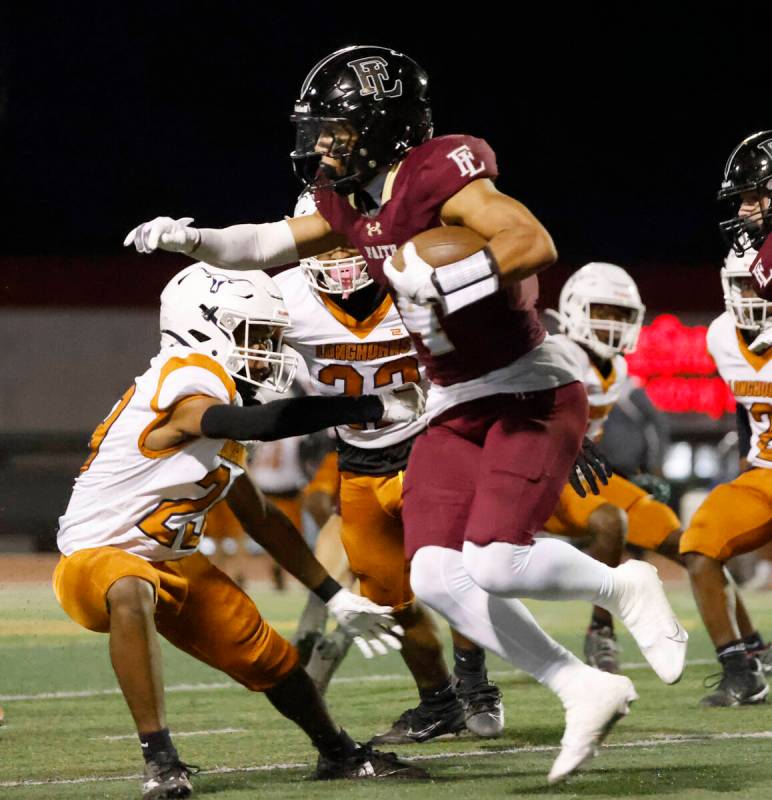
(673,365)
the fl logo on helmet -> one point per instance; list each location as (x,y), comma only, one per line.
(373,74)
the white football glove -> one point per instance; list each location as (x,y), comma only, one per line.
(403,404)
(762,342)
(372,627)
(164,233)
(415,281)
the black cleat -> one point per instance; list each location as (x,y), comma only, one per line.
(736,685)
(423,723)
(166,776)
(601,649)
(365,762)
(483,709)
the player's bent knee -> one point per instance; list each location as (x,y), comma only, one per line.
(131,594)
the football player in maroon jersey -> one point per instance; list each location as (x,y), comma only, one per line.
(508,409)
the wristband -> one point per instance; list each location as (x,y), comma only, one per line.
(477,267)
(327,589)
(469,294)
(467,281)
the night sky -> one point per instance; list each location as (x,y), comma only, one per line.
(614,134)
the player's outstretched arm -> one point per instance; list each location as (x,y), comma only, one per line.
(206,416)
(270,244)
(372,625)
(298,416)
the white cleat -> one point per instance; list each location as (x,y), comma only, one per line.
(643,607)
(601,700)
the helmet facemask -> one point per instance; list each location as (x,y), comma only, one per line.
(608,329)
(742,233)
(339,276)
(750,312)
(324,151)
(256,356)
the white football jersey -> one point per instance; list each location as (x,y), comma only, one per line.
(276,467)
(749,378)
(153,503)
(345,356)
(602,393)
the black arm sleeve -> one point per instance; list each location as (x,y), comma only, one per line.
(295,416)
(743,430)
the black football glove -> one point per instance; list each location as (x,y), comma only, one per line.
(591,465)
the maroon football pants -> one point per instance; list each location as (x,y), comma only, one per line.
(492,470)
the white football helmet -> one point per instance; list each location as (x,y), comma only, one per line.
(236,317)
(600,284)
(331,275)
(750,312)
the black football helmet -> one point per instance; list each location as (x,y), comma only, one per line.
(363,106)
(748,169)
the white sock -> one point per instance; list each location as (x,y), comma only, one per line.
(549,569)
(502,625)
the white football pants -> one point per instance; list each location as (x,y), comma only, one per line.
(500,624)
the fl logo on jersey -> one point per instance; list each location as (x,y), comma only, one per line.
(372,74)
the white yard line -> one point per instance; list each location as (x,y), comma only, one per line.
(177,734)
(653,742)
(206,687)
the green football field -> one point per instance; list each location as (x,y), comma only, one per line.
(69,734)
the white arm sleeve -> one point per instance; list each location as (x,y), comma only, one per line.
(270,244)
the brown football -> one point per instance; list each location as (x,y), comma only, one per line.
(439,247)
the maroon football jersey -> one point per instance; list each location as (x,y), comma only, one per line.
(477,339)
